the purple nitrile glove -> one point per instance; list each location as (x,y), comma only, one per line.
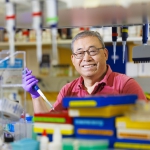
(28,81)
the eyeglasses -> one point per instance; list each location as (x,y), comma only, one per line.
(92,51)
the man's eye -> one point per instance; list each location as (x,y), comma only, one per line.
(93,51)
(79,53)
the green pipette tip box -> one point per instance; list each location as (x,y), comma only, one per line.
(81,144)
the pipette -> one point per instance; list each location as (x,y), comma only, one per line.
(145,33)
(36,88)
(52,20)
(114,39)
(42,95)
(10,26)
(124,38)
(37,25)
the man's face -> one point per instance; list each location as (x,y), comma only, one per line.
(90,66)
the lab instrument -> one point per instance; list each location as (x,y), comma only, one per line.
(42,95)
(124,39)
(141,53)
(114,39)
(36,88)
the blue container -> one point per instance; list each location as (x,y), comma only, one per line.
(25,144)
(99,101)
(98,123)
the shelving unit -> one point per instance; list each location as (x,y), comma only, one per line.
(10,86)
(66,42)
(34,43)
(129,39)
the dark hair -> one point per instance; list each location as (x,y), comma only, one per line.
(86,34)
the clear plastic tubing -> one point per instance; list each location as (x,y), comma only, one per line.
(10,26)
(37,25)
(52,20)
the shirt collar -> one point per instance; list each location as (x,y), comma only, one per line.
(104,80)
(109,71)
(80,82)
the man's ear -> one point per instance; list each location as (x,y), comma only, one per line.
(72,59)
(106,53)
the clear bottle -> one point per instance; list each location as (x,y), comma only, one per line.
(56,144)
(44,140)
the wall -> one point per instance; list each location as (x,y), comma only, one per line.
(64,56)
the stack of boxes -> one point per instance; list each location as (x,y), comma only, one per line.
(133,132)
(49,121)
(94,117)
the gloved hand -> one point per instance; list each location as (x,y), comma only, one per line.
(28,81)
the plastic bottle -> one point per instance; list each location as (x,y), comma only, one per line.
(29,126)
(56,144)
(44,140)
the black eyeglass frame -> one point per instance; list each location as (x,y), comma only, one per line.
(88,52)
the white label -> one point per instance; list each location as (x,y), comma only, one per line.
(73,113)
(121,125)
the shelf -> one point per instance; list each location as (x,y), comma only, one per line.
(11,85)
(119,39)
(34,43)
(68,42)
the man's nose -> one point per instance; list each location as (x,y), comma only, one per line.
(86,56)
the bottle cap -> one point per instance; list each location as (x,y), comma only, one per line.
(44,133)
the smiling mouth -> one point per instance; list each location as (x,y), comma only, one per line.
(89,66)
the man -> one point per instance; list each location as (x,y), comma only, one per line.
(89,57)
